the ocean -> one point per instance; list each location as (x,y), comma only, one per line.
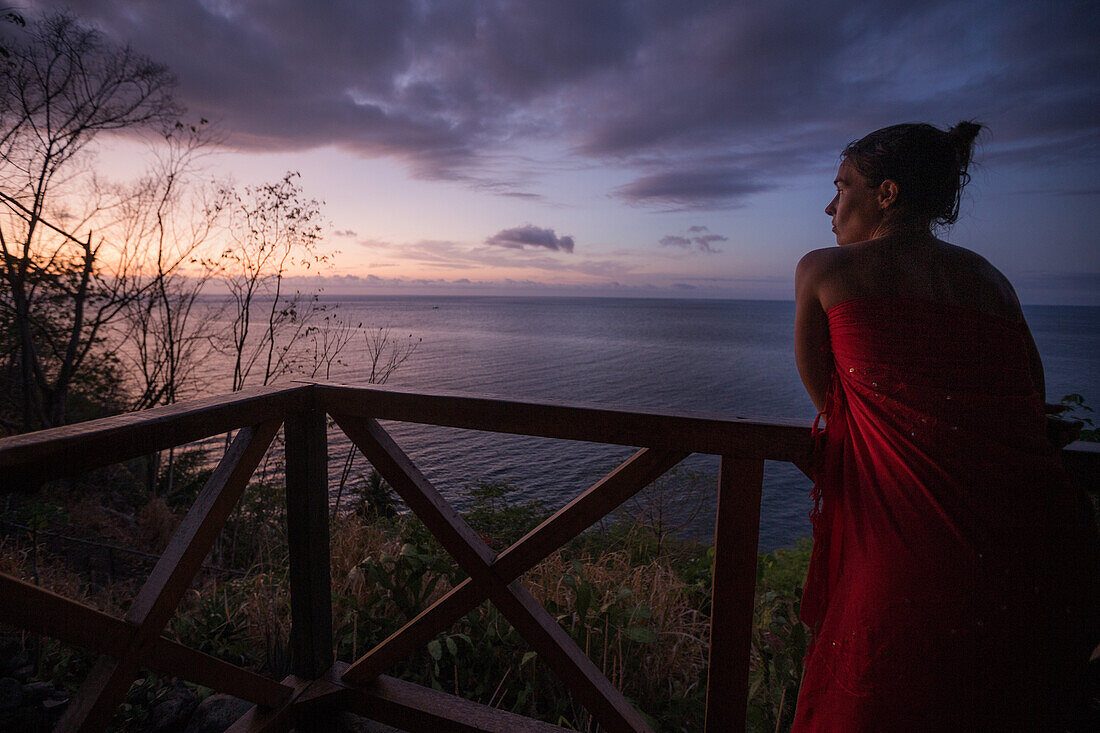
(718,357)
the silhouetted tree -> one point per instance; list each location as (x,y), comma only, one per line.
(64,281)
(273,229)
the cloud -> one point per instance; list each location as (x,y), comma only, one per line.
(692,188)
(344,233)
(531,236)
(699,239)
(454,89)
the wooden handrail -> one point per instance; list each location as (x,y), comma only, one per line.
(664,437)
(72,449)
(777,440)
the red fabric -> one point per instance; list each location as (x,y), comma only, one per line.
(951,559)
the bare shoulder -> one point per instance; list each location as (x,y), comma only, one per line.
(813,274)
(817,264)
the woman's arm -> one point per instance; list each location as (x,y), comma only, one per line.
(811,329)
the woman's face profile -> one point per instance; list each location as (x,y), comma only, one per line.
(855,208)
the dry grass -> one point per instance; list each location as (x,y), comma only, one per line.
(674,663)
(641,624)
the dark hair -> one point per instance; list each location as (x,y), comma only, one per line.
(928,164)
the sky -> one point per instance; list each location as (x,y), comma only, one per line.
(660,149)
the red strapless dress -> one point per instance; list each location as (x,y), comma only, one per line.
(953,577)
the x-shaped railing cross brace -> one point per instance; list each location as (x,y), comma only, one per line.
(106,685)
(496,577)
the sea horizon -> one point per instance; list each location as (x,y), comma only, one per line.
(702,355)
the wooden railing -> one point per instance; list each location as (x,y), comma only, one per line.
(319,685)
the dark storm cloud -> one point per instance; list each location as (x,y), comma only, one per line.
(775,88)
(531,236)
(691,188)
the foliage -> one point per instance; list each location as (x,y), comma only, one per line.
(99,280)
(7,15)
(639,615)
(375,497)
(497,517)
(1075,409)
(386,352)
(779,639)
(181,480)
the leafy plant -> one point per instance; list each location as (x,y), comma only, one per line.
(497,517)
(779,639)
(1074,408)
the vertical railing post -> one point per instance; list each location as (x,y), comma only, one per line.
(737,530)
(308,539)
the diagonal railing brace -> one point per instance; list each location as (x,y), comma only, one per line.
(106,685)
(640,470)
(606,704)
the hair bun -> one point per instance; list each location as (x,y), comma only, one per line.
(964,133)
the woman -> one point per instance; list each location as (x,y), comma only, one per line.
(951,565)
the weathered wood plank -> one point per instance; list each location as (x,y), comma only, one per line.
(737,530)
(158,598)
(107,683)
(273,719)
(308,539)
(37,610)
(26,459)
(582,512)
(780,440)
(416,709)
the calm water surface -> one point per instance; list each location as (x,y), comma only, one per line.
(717,357)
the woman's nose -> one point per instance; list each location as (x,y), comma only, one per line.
(831,208)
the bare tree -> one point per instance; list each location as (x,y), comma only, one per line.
(273,230)
(387,352)
(669,504)
(64,281)
(170,220)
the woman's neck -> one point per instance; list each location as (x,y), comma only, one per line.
(909,230)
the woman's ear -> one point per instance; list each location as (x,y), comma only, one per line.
(887,194)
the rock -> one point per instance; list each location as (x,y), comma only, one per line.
(11,693)
(172,711)
(35,691)
(52,710)
(216,713)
